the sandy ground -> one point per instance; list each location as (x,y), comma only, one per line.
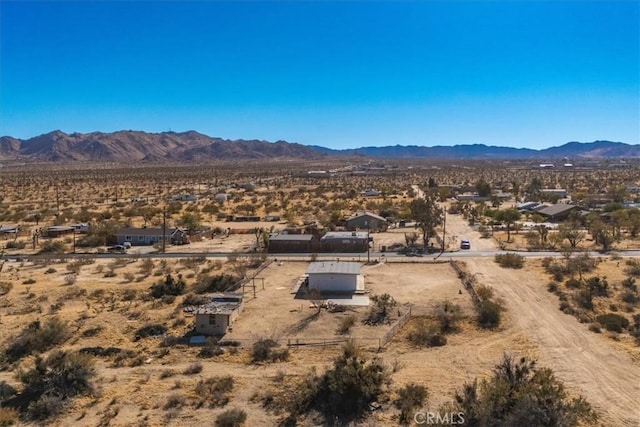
(607,377)
(458,228)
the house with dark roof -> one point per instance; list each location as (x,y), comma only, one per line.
(557,212)
(345,241)
(366,221)
(149,236)
(293,243)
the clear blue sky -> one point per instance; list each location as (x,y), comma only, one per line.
(338,74)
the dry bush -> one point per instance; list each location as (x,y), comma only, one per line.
(215,391)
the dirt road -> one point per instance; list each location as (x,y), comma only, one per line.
(459,228)
(588,364)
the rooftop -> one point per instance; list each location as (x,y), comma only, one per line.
(280,237)
(556,209)
(369,214)
(213,308)
(333,268)
(345,235)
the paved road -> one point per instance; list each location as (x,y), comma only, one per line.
(360,256)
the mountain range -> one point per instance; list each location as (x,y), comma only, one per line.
(137,146)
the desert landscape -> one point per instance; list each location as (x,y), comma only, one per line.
(429,317)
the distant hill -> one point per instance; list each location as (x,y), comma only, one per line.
(128,146)
(136,146)
(597,149)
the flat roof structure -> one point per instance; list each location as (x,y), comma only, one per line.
(333,268)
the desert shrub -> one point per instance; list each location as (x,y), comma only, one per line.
(167,373)
(630,284)
(613,322)
(5,287)
(346,323)
(552,287)
(598,286)
(221,282)
(129,295)
(489,314)
(566,308)
(520,394)
(29,281)
(215,390)
(633,268)
(169,286)
(380,310)
(174,401)
(37,338)
(50,270)
(448,315)
(192,299)
(267,350)
(346,390)
(410,397)
(584,299)
(150,331)
(629,297)
(15,244)
(92,332)
(6,390)
(194,368)
(231,418)
(210,351)
(128,276)
(53,381)
(573,284)
(484,292)
(168,299)
(595,328)
(510,260)
(110,273)
(426,333)
(52,247)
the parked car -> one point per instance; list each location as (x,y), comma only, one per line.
(117,249)
(465,244)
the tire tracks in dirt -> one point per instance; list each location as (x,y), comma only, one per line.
(607,377)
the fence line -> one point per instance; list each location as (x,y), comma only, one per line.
(388,336)
(467,283)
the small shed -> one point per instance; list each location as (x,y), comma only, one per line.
(217,316)
(338,277)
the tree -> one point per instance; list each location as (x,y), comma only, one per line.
(571,232)
(509,217)
(483,188)
(519,394)
(191,221)
(428,216)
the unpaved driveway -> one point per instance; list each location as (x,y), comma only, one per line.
(586,362)
(459,228)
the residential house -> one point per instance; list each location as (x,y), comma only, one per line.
(338,277)
(293,243)
(217,316)
(557,212)
(345,241)
(149,236)
(58,230)
(366,221)
(9,229)
(560,192)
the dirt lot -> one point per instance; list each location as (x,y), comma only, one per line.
(588,364)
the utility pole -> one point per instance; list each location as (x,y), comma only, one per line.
(164,229)
(368,242)
(444,227)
